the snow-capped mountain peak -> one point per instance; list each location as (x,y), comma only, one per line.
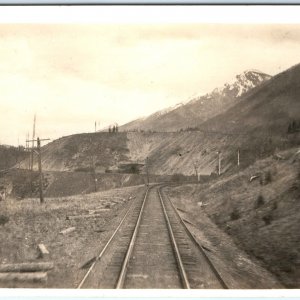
(244,82)
(236,87)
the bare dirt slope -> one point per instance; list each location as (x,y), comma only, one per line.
(262,216)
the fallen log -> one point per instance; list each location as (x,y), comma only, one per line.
(68,230)
(91,212)
(24,277)
(83,216)
(27,267)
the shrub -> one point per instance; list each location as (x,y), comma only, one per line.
(235,215)
(268,177)
(3,219)
(268,219)
(260,201)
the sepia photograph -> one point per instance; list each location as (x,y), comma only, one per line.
(149,147)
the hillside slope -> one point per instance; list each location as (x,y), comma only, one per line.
(200,108)
(82,151)
(261,215)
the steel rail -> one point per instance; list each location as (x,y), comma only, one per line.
(123,272)
(105,247)
(215,271)
(183,275)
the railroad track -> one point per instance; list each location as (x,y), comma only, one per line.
(152,248)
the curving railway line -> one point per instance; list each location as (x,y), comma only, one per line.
(152,248)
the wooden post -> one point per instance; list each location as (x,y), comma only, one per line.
(238,162)
(40,170)
(196,171)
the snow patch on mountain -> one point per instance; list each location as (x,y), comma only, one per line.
(236,87)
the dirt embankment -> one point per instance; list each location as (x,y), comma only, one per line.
(168,153)
(262,215)
(18,183)
(25,224)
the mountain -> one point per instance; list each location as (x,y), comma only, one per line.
(256,125)
(202,108)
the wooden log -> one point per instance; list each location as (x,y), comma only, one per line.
(43,250)
(83,216)
(95,211)
(68,230)
(24,277)
(27,267)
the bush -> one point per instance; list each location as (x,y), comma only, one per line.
(235,215)
(3,219)
(260,201)
(267,219)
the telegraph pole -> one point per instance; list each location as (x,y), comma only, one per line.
(40,170)
(39,153)
(147,170)
(33,140)
(27,150)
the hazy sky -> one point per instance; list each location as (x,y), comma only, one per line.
(74,75)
